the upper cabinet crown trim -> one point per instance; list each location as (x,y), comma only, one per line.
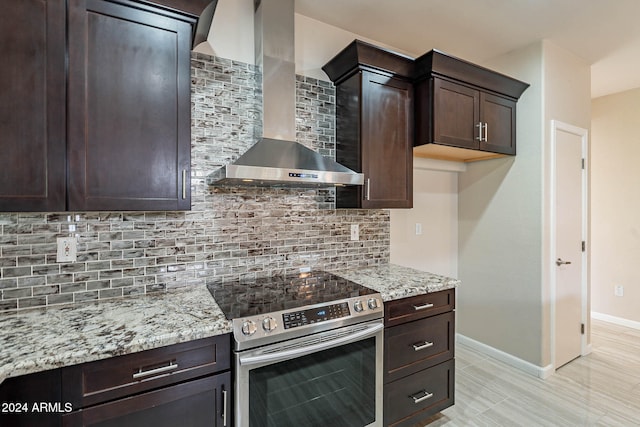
(359,54)
(198,13)
(185,7)
(438,63)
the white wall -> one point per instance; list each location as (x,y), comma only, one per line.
(504,210)
(615,149)
(567,99)
(231,33)
(435,207)
(500,220)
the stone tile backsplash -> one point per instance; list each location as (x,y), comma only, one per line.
(230,233)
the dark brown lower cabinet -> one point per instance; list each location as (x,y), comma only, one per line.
(186,384)
(194,403)
(418,357)
(182,384)
(419,395)
(31,400)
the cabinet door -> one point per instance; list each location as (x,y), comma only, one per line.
(499,116)
(129,107)
(193,403)
(456,114)
(32,400)
(32,106)
(387,141)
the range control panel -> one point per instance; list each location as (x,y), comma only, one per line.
(272,327)
(315,315)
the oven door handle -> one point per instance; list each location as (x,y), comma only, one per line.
(308,349)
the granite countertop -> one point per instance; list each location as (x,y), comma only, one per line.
(395,282)
(41,339)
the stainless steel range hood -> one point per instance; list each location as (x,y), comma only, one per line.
(275,159)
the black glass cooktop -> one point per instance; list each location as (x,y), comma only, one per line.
(270,294)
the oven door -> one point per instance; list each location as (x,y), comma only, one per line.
(332,378)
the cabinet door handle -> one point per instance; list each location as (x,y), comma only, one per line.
(184,183)
(421,397)
(141,374)
(479,126)
(422,345)
(486,132)
(422,307)
(368,192)
(224,408)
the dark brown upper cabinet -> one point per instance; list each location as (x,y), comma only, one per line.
(109,130)
(374,125)
(129,107)
(464,112)
(32,106)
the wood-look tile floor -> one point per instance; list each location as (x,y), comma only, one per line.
(601,389)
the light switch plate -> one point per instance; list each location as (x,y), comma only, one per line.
(355,232)
(67,249)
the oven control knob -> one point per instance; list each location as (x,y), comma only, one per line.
(269,324)
(248,327)
(373,303)
(357,306)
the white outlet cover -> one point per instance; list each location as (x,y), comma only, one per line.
(619,291)
(67,249)
(355,232)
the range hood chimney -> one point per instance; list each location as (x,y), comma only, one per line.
(276,159)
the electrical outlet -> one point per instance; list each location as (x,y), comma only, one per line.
(418,229)
(355,232)
(67,249)
(619,291)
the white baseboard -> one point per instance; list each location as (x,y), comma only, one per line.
(528,367)
(617,320)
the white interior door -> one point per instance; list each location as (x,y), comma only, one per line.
(570,145)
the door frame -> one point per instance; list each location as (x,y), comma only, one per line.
(557,126)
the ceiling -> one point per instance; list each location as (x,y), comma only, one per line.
(605,33)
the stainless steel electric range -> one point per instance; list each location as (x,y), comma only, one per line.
(307,350)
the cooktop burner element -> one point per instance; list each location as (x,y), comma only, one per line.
(275,308)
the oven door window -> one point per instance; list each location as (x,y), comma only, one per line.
(334,387)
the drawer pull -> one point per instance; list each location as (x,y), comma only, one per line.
(422,346)
(141,374)
(422,307)
(422,396)
(184,183)
(224,408)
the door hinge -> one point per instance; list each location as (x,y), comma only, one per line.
(582,328)
(584,245)
(582,163)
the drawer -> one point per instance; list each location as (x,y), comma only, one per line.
(418,307)
(418,396)
(418,345)
(196,403)
(96,382)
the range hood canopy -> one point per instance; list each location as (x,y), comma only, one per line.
(279,163)
(276,159)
